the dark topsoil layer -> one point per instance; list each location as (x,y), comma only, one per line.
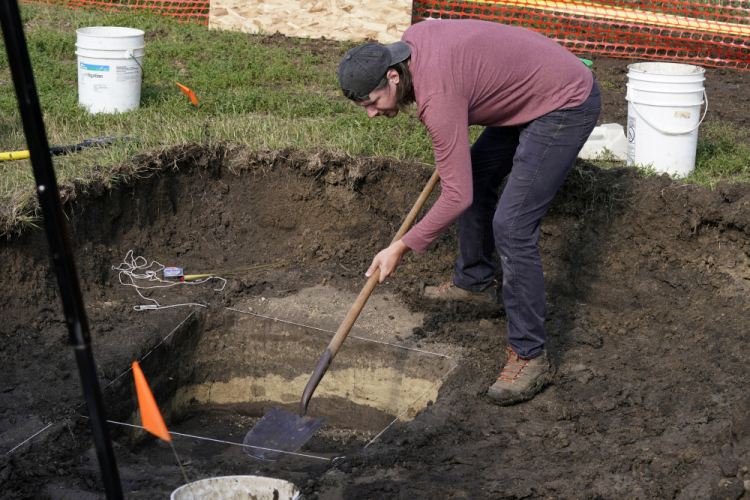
(647,284)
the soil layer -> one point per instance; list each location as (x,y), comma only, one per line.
(647,283)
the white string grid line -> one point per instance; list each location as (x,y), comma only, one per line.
(29,439)
(129,268)
(410,406)
(115,380)
(330,331)
(377,342)
(281,321)
(130,368)
(218,440)
(138,268)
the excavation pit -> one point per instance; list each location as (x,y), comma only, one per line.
(647,280)
(245,359)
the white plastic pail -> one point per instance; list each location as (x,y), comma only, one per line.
(109,68)
(237,488)
(664,103)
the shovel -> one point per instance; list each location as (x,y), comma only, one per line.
(280,432)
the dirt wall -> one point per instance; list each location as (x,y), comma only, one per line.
(647,284)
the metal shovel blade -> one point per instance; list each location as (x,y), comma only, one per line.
(278,432)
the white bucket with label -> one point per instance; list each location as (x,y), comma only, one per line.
(110,62)
(664,113)
(237,488)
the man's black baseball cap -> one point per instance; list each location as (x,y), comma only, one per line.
(363,67)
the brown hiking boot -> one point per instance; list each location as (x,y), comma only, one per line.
(521,379)
(448,291)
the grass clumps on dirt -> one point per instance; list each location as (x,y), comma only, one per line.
(722,155)
(261,91)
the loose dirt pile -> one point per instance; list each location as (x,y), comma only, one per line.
(647,284)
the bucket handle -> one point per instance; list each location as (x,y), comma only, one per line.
(666,132)
(129,55)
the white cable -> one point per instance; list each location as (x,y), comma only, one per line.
(137,268)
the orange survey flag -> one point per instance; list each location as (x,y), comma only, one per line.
(150,414)
(189,93)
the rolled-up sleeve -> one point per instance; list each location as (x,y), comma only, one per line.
(446,117)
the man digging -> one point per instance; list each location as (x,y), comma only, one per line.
(539,103)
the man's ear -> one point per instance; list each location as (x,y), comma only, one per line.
(393,76)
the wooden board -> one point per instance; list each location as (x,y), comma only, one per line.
(381,20)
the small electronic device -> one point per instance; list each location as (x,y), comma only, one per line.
(173,272)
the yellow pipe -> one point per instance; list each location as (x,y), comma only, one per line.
(199,276)
(14,155)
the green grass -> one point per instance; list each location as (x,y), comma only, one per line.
(722,155)
(261,95)
(250,93)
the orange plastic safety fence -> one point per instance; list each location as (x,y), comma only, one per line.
(185,11)
(705,32)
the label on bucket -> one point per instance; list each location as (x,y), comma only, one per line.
(682,114)
(127,73)
(631,140)
(93,67)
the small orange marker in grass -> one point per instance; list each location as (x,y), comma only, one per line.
(150,414)
(189,93)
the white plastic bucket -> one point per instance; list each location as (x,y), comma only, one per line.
(664,103)
(110,62)
(237,488)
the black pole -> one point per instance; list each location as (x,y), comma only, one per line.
(57,234)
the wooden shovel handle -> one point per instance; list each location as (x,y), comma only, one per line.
(346,325)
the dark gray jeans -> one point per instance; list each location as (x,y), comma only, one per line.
(538,156)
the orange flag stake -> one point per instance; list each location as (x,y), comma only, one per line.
(150,414)
(189,93)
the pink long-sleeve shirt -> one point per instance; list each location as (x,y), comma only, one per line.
(468,72)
